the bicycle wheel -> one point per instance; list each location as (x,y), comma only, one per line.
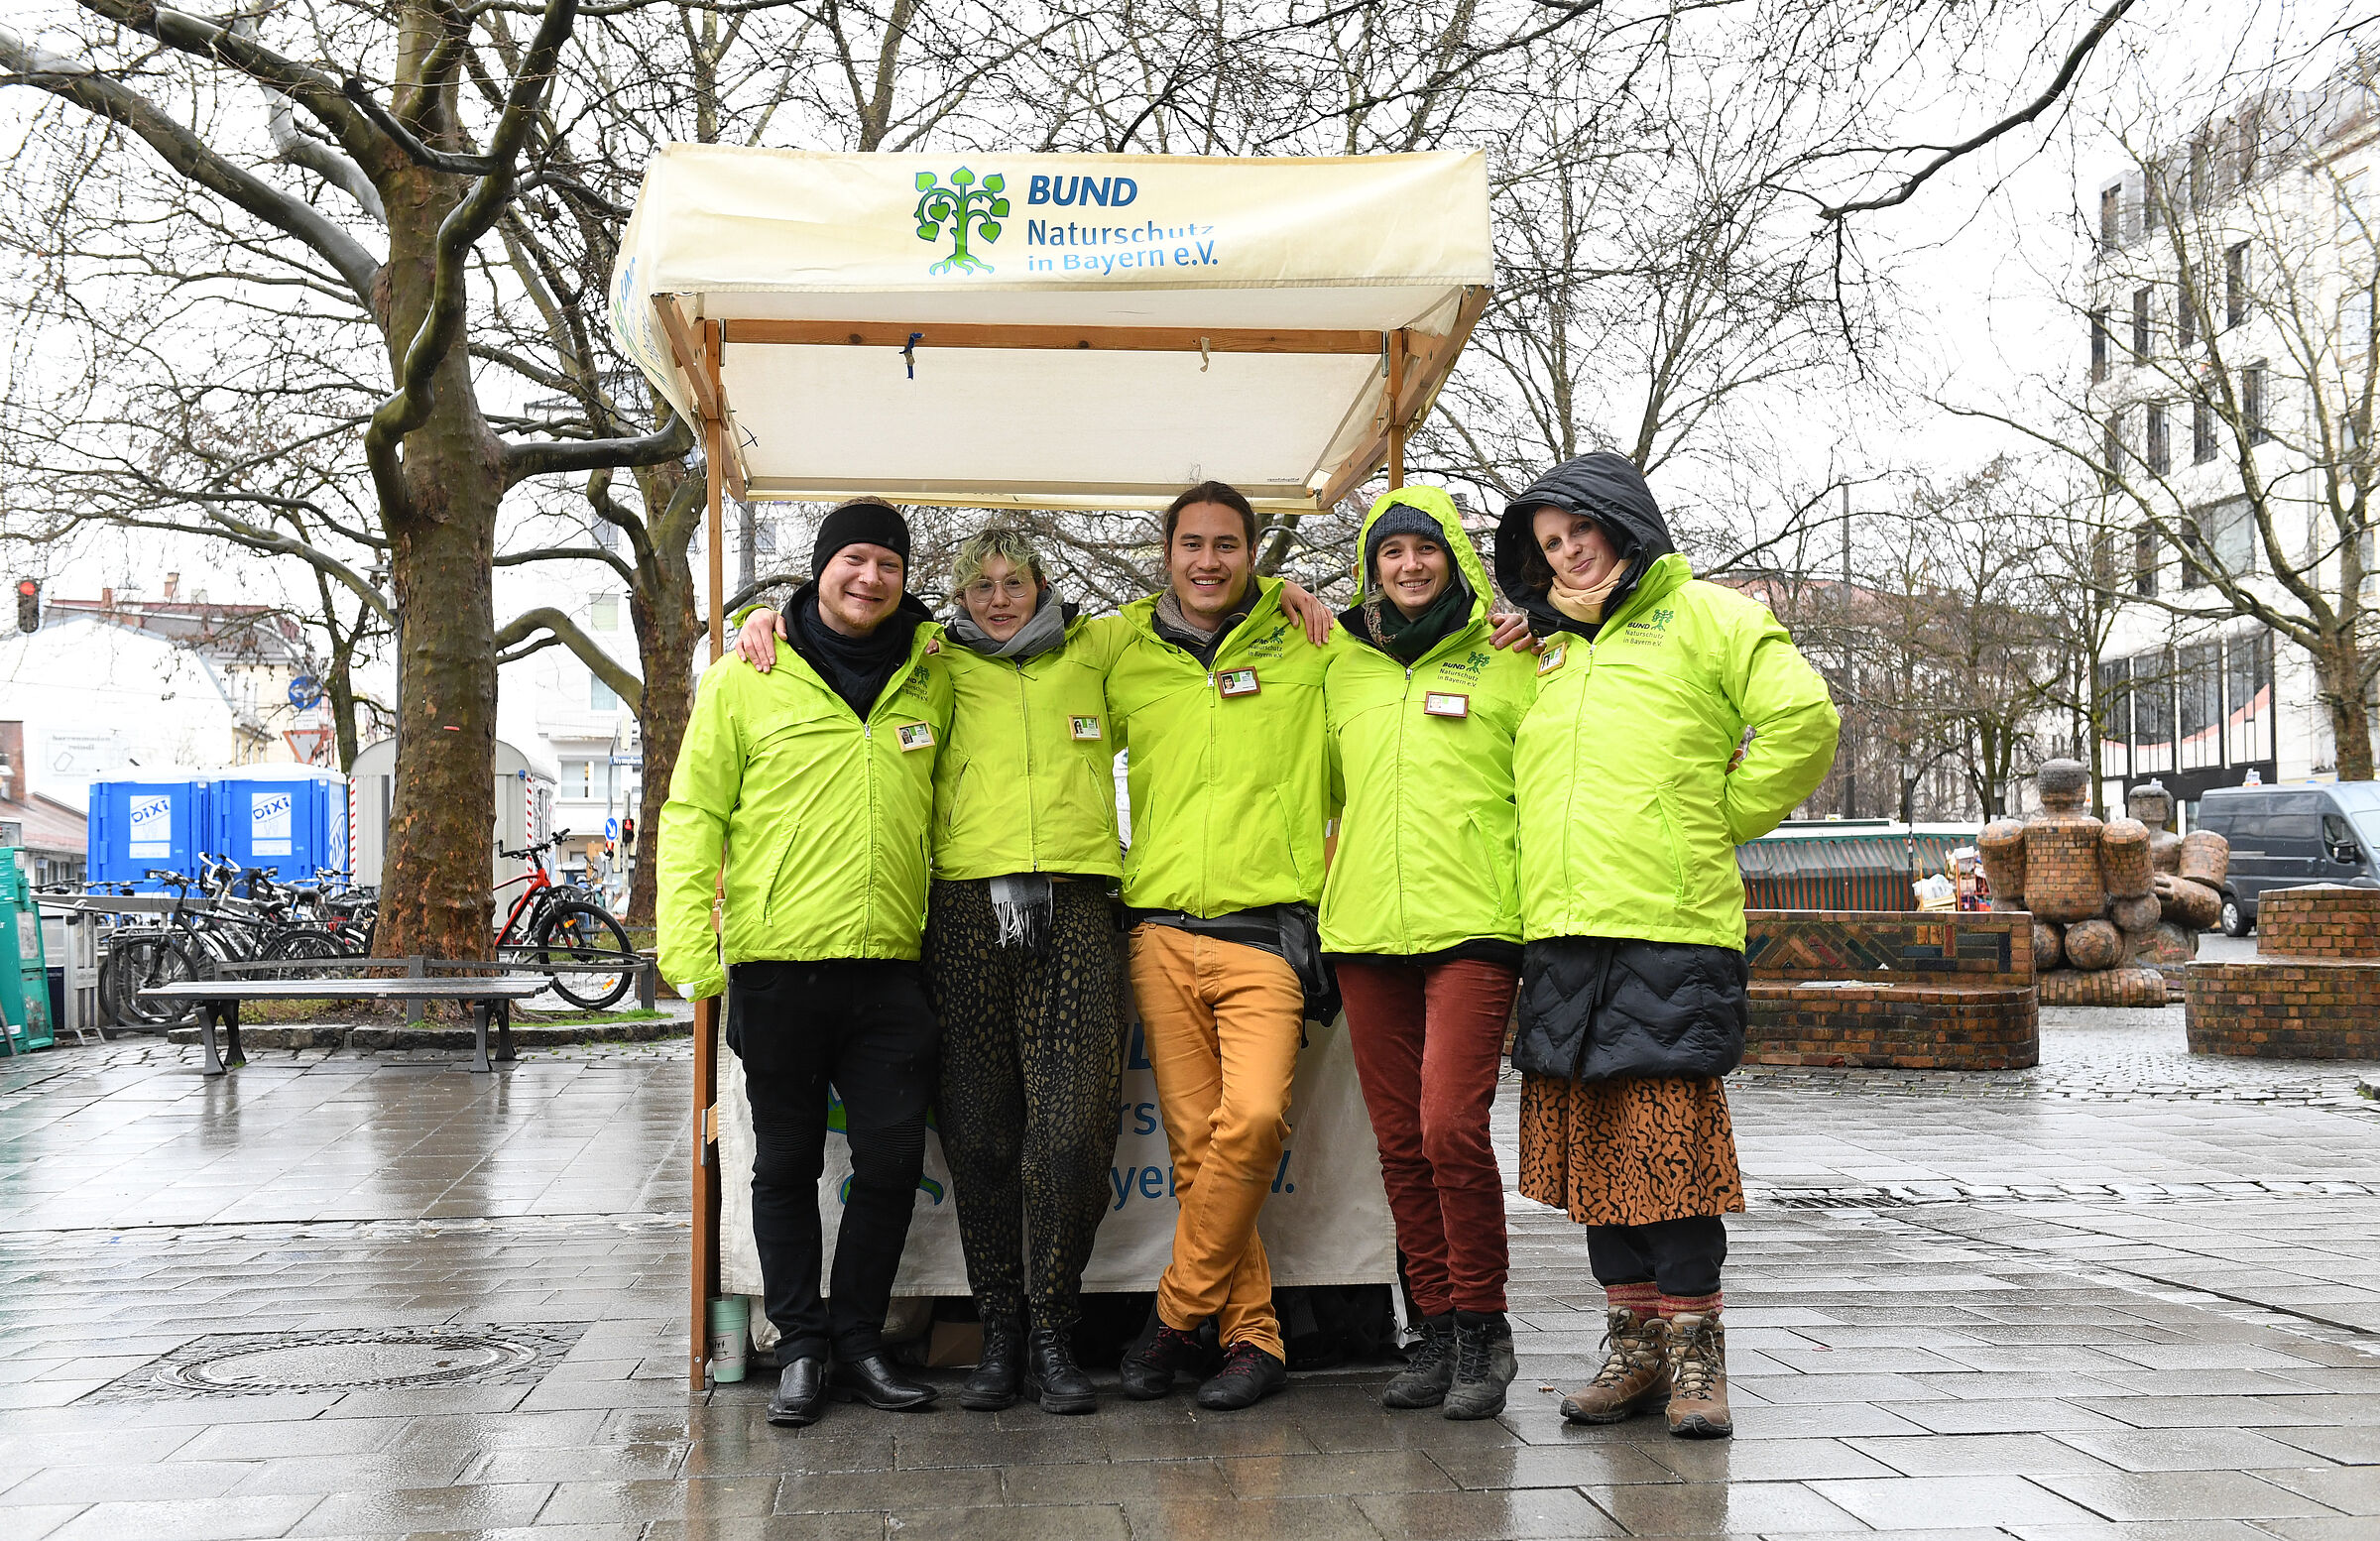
(587,955)
(138,963)
(304,944)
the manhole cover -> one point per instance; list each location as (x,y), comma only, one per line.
(386,1361)
(347,1359)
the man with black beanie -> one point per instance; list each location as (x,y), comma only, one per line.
(813,785)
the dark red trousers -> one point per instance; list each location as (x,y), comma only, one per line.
(1429,1042)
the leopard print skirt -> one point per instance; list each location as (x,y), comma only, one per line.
(1629,1153)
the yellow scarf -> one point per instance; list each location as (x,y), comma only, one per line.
(1586,604)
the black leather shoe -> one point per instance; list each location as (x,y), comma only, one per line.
(1052,1376)
(873,1380)
(1248,1375)
(801,1394)
(997,1369)
(1148,1371)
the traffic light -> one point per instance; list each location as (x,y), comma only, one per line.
(627,835)
(29,604)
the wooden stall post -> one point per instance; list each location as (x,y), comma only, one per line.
(1397,410)
(704,1280)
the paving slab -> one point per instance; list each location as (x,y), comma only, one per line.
(2127,1296)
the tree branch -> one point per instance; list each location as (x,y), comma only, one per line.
(180,148)
(627,687)
(550,457)
(2034,109)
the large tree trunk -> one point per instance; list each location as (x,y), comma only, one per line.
(441,824)
(669,632)
(2338,681)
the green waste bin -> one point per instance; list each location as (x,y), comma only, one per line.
(24,973)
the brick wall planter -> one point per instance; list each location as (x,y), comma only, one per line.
(1912,992)
(2311,993)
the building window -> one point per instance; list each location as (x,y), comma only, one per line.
(2202,190)
(2140,323)
(2194,553)
(2233,533)
(2185,314)
(2144,562)
(2112,452)
(2152,700)
(2202,702)
(2355,323)
(2235,286)
(2099,345)
(2251,130)
(603,612)
(2249,667)
(2201,433)
(2251,402)
(2160,458)
(600,697)
(2111,214)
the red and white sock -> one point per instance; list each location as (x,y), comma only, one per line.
(1644,1299)
(1693,1305)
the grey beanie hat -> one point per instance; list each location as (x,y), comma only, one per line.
(1401,520)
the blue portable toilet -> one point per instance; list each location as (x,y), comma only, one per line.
(286,819)
(136,826)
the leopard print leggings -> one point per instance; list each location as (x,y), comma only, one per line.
(1033,1054)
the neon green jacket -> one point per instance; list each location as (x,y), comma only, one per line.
(1427,855)
(1629,818)
(821,818)
(1027,782)
(1228,794)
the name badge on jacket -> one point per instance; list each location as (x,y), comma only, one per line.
(916,735)
(1446,703)
(1239,681)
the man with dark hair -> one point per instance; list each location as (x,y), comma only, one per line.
(1220,699)
(814,785)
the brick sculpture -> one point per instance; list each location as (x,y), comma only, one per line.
(1942,990)
(2114,904)
(2312,991)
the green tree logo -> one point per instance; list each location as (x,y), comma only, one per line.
(960,206)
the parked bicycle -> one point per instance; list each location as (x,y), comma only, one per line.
(241,915)
(562,929)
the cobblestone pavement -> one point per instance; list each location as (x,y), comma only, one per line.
(2127,1295)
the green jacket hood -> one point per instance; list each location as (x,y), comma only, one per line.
(1439,505)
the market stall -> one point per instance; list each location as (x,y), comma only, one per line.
(1055,331)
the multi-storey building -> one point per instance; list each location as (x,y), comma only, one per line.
(2230,325)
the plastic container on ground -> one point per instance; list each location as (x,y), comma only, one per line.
(24,974)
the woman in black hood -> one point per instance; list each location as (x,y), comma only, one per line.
(1673,720)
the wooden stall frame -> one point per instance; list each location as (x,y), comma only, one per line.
(1413,369)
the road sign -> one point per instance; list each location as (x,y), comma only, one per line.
(308,743)
(611,829)
(306,691)
(637,759)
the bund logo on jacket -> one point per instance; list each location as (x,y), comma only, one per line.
(1651,632)
(1268,645)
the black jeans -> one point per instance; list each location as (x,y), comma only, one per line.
(1682,1257)
(864,1027)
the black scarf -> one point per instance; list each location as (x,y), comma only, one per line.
(854,667)
(1385,626)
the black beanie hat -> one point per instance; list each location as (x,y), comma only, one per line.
(863,522)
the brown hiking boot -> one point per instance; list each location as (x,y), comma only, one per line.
(1634,1377)
(1697,1368)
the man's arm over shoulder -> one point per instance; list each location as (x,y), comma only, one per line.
(704,787)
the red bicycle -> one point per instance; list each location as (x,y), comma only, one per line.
(576,940)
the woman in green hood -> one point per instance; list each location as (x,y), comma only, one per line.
(1421,917)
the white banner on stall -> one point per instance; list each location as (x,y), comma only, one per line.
(1325,1223)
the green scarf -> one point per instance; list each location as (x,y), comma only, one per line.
(1406,640)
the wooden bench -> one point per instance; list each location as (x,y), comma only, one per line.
(1949,990)
(218,1000)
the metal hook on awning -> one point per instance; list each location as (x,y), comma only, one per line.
(1203,361)
(909,352)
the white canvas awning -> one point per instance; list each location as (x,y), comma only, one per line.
(1052,330)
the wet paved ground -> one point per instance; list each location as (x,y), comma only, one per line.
(2127,1295)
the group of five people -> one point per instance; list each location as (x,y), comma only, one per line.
(910,833)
